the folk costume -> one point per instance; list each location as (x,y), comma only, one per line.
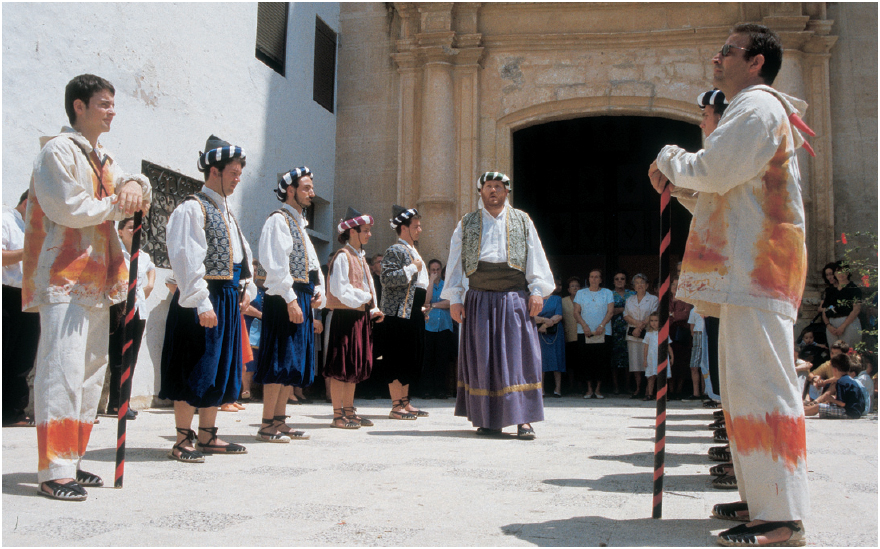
(73,270)
(211,260)
(745,262)
(287,350)
(495,264)
(351,300)
(403,295)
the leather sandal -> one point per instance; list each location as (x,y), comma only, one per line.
(525,433)
(718,414)
(732,511)
(341,421)
(293,435)
(487,432)
(186,456)
(399,414)
(351,414)
(72,491)
(721,470)
(84,478)
(208,448)
(720,453)
(263,436)
(725,482)
(717,424)
(720,435)
(418,413)
(747,536)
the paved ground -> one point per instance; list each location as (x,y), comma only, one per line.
(586,481)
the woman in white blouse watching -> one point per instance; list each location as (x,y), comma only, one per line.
(636,313)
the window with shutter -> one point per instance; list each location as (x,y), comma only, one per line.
(272,34)
(325,64)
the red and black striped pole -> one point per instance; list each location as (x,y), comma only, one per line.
(127,349)
(662,351)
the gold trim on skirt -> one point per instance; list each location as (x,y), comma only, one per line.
(507,390)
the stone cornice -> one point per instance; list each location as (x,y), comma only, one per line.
(546,41)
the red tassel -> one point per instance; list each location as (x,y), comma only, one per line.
(800,124)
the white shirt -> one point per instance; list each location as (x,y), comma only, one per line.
(145,265)
(640,310)
(422,279)
(13,239)
(188,247)
(342,288)
(493,249)
(276,245)
(696,319)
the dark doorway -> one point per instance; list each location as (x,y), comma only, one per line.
(584,182)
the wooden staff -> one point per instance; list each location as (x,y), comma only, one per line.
(662,352)
(127,349)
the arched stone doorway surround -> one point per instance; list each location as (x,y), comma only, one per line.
(469,74)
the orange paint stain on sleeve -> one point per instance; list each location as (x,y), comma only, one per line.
(780,259)
(34,236)
(61,439)
(780,436)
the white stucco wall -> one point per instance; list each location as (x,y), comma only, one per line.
(181,72)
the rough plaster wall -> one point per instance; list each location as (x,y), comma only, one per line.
(366,166)
(854,117)
(181,72)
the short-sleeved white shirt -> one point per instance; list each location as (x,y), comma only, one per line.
(696,319)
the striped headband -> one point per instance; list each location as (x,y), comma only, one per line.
(286,180)
(714,97)
(493,176)
(403,216)
(346,224)
(221,154)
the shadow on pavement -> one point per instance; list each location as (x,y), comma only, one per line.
(637,483)
(20,484)
(440,433)
(601,531)
(646,459)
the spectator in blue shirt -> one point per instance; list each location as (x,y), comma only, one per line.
(846,401)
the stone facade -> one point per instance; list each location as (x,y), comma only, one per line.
(431,94)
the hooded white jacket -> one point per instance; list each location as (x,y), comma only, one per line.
(746,244)
(72,250)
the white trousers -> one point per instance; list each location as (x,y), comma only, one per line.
(764,412)
(70,367)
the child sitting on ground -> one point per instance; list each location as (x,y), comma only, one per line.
(651,354)
(811,351)
(846,402)
(820,378)
(863,379)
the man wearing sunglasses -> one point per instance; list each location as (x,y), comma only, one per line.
(745,262)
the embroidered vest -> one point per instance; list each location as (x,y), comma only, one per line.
(517,223)
(218,260)
(355,278)
(298,260)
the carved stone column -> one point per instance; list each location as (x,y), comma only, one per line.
(438,114)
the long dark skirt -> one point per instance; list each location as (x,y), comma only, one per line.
(439,350)
(597,361)
(499,361)
(287,350)
(348,346)
(202,366)
(405,344)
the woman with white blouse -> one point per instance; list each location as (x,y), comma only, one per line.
(636,313)
(593,309)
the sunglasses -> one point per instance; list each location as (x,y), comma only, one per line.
(725,49)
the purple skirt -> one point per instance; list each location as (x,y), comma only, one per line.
(499,361)
(348,346)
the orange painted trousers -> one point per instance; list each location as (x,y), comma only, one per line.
(70,367)
(764,412)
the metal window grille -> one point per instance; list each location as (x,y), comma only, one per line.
(272,34)
(169,190)
(325,65)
